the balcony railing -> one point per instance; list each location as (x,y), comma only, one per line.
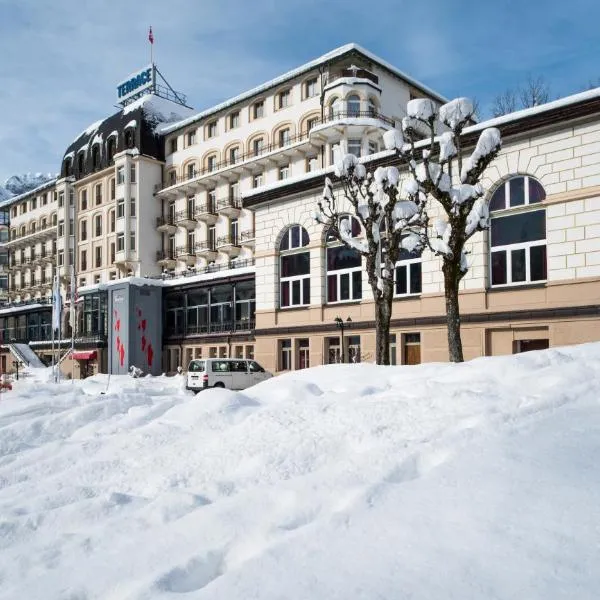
(184,215)
(247,236)
(165,255)
(357,73)
(227,240)
(165,220)
(43,300)
(229,202)
(203,246)
(205,208)
(208,328)
(334,115)
(213,268)
(29,232)
(184,251)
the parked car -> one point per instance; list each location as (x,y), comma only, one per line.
(230,373)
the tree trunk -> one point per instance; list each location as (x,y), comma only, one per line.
(383,314)
(451,283)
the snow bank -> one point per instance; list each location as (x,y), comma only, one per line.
(348,481)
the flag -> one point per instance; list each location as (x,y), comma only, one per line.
(56,304)
(151,36)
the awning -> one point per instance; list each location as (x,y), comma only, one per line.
(84,355)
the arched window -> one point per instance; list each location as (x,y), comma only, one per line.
(517,233)
(80,162)
(294,268)
(211,162)
(191,170)
(334,108)
(353,103)
(284,136)
(95,157)
(111,148)
(344,267)
(130,137)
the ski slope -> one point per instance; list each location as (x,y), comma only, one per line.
(472,481)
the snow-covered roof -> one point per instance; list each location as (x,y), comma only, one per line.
(32,192)
(159,110)
(21,307)
(297,72)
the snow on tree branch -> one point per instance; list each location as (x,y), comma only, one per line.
(457,113)
(489,143)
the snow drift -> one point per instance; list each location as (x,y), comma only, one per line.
(465,481)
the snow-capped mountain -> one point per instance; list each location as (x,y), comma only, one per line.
(19,184)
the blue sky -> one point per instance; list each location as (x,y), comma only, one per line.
(61,60)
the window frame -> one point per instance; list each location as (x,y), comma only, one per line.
(291,281)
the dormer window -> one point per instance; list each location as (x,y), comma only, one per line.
(129,137)
(68,167)
(80,162)
(111,148)
(95,156)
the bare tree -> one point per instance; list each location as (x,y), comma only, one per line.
(533,92)
(395,214)
(504,103)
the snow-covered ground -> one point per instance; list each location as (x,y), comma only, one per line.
(473,481)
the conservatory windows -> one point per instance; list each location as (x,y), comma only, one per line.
(517,239)
(294,265)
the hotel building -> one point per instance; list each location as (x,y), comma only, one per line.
(210,215)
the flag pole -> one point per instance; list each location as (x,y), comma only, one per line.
(151,40)
(52,328)
(73,298)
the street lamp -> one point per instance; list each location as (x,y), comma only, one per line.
(339,322)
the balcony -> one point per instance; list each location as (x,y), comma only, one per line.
(32,236)
(230,206)
(247,238)
(334,123)
(186,218)
(166,258)
(206,250)
(166,224)
(186,254)
(190,182)
(228,245)
(205,212)
(214,327)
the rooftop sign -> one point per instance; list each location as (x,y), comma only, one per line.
(136,83)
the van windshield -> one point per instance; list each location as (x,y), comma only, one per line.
(196,365)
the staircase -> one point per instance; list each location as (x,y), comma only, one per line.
(26,355)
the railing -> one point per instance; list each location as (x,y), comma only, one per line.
(208,328)
(168,220)
(358,73)
(205,208)
(184,251)
(227,240)
(206,245)
(248,235)
(184,215)
(229,202)
(29,301)
(30,231)
(165,255)
(214,268)
(334,115)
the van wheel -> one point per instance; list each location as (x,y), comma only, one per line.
(220,384)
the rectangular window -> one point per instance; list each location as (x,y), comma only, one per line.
(61,199)
(61,258)
(61,228)
(132,241)
(285,355)
(354,349)
(83,200)
(113,221)
(112,253)
(284,137)
(284,172)
(71,227)
(132,174)
(98,194)
(354,146)
(310,88)
(257,180)
(234,120)
(121,175)
(96,279)
(112,275)
(120,208)
(98,225)
(312,164)
(173,145)
(98,255)
(258,146)
(408,275)
(334,350)
(284,99)
(191,138)
(344,274)
(258,109)
(120,242)
(212,129)
(113,189)
(83,230)
(304,353)
(84,260)
(132,207)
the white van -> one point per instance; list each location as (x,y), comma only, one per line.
(230,373)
